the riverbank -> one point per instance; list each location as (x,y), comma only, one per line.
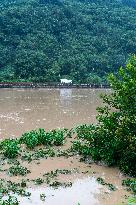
(50,85)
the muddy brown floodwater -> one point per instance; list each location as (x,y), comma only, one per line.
(22,110)
(26,109)
(85,189)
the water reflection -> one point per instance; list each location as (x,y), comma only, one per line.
(65,97)
(83,192)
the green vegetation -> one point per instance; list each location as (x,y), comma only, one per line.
(45,40)
(42,197)
(113,138)
(10,148)
(7,187)
(38,181)
(111,187)
(18,170)
(60,171)
(130,184)
(41,153)
(15,151)
(57,184)
(10,201)
(39,137)
(132,201)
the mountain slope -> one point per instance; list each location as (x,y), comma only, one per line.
(44,40)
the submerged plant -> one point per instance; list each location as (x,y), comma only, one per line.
(57,184)
(111,187)
(130,184)
(10,201)
(18,170)
(38,181)
(42,197)
(7,187)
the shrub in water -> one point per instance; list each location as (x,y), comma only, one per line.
(113,139)
(58,137)
(30,139)
(11,149)
(34,138)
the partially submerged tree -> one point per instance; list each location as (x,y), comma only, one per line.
(113,139)
(117,121)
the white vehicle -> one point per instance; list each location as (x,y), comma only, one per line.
(66,81)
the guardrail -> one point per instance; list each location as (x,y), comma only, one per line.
(49,85)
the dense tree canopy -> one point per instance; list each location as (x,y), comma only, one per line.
(44,40)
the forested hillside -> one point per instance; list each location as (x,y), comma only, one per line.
(45,40)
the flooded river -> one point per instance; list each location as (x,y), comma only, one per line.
(26,109)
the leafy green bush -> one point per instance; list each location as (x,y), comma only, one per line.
(58,138)
(10,148)
(47,140)
(130,184)
(54,137)
(113,139)
(128,162)
(39,137)
(30,139)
